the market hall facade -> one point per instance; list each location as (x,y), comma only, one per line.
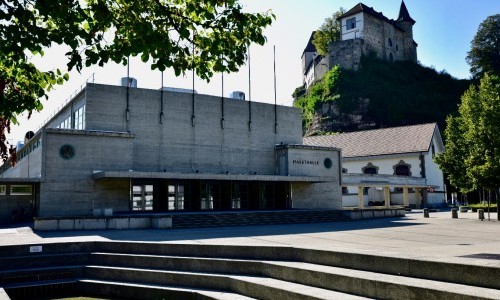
(137,150)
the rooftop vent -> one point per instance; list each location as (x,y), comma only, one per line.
(129,81)
(237,95)
(178,90)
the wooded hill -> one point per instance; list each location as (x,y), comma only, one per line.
(381,94)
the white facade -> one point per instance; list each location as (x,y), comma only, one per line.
(389,167)
(352,32)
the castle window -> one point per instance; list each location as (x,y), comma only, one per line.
(344,170)
(390,42)
(350,23)
(397,48)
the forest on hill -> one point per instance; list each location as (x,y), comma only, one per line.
(381,94)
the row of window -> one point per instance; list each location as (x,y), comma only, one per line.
(75,121)
(401,169)
(16,190)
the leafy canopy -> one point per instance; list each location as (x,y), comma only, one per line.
(328,32)
(472,155)
(203,35)
(484,55)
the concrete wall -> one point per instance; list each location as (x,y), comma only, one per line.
(9,203)
(68,187)
(175,145)
(299,160)
(325,195)
(29,161)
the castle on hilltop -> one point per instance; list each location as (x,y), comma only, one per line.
(364,31)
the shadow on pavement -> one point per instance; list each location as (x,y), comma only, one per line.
(167,235)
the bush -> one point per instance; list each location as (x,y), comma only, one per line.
(475,207)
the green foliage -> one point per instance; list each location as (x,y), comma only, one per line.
(399,93)
(472,139)
(325,90)
(484,56)
(203,35)
(327,33)
(452,160)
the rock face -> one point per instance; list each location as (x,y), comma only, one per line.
(331,118)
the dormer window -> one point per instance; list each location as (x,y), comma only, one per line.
(350,23)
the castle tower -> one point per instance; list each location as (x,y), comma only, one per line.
(406,22)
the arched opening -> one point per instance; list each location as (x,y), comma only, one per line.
(402,169)
(370,169)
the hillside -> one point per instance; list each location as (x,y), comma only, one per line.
(380,94)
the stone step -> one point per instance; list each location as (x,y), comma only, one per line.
(250,286)
(364,283)
(43,260)
(28,275)
(452,270)
(255,218)
(151,291)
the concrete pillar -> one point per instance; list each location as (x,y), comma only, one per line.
(360,197)
(418,199)
(406,197)
(387,196)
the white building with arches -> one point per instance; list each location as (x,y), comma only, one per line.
(390,166)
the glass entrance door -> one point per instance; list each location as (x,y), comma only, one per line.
(142,197)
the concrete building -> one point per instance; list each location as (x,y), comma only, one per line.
(364,32)
(390,166)
(129,150)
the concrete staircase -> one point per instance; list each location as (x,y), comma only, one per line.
(222,219)
(185,271)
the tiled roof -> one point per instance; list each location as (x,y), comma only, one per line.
(404,15)
(310,46)
(360,7)
(395,140)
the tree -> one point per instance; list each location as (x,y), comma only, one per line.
(472,155)
(484,56)
(328,32)
(203,35)
(452,161)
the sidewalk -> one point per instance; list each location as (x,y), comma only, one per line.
(414,236)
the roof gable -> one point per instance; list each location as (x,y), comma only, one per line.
(360,7)
(386,141)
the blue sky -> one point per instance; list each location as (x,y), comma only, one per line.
(443,31)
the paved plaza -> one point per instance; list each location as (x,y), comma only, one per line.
(437,237)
